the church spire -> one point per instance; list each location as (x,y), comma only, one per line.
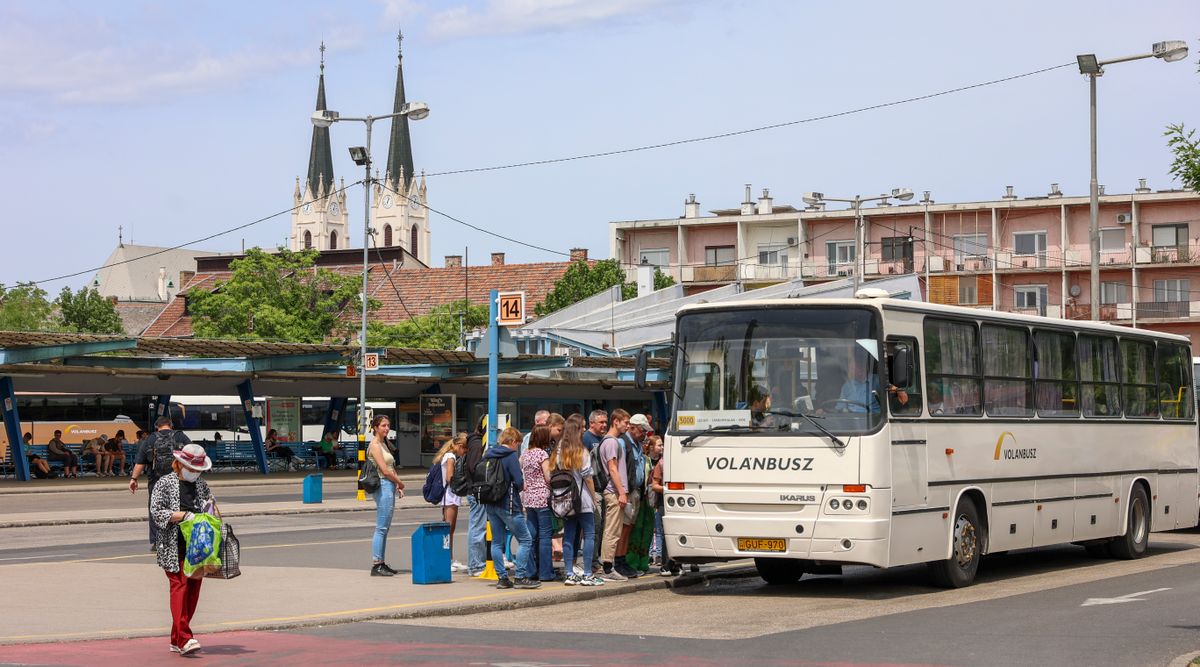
(320,158)
(400,159)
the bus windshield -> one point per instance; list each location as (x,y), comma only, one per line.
(756,371)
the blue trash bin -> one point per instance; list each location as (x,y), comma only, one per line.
(431,553)
(313,492)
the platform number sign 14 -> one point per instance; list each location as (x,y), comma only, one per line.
(512,309)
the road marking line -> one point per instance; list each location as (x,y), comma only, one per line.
(1131,597)
(36,557)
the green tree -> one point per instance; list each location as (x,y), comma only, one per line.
(1186,148)
(582,280)
(86,311)
(280,296)
(439,329)
(24,308)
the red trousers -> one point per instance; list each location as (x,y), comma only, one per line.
(185,594)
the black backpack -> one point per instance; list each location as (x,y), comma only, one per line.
(162,453)
(491,484)
(461,482)
(564,494)
(599,470)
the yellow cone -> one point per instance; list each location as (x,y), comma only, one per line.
(489,570)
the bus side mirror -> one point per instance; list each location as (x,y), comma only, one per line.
(900,368)
(639,370)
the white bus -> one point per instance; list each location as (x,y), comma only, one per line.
(790,443)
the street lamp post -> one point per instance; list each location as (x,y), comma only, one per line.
(1092,68)
(362,156)
(815,198)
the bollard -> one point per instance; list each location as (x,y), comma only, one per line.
(313,492)
(431,553)
(489,570)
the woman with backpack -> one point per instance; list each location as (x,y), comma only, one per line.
(571,456)
(535,466)
(447,458)
(390,488)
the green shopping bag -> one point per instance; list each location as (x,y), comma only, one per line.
(202,539)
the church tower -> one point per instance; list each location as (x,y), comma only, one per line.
(319,218)
(398,215)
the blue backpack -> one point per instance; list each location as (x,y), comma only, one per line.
(434,489)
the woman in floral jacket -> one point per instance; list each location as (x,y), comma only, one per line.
(173,500)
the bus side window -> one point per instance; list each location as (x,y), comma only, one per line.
(913,388)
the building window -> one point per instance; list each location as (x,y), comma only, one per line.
(333,240)
(970,245)
(1174,289)
(772,254)
(1030,243)
(1113,293)
(1112,239)
(896,248)
(968,290)
(660,257)
(307,240)
(840,257)
(720,255)
(412,241)
(387,236)
(1031,297)
(1164,236)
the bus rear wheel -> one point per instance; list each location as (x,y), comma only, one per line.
(959,569)
(1133,543)
(779,571)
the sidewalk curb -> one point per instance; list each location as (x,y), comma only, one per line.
(1184,660)
(142,519)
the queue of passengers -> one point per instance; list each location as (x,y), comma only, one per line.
(588,492)
(103,451)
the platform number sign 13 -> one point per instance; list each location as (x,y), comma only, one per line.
(371,361)
(512,309)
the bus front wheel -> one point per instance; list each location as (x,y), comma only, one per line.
(1133,543)
(959,569)
(778,571)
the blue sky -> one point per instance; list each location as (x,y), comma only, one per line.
(180,120)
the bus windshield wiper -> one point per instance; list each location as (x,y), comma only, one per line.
(712,429)
(812,420)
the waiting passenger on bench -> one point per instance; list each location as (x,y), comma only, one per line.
(276,449)
(57,450)
(329,447)
(37,465)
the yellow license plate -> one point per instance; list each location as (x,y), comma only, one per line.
(761,544)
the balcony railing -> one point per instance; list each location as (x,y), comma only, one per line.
(1163,309)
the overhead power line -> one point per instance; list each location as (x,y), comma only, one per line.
(762,128)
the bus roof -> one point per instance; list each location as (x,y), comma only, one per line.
(933,309)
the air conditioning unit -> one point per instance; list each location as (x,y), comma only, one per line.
(791,241)
(1125,218)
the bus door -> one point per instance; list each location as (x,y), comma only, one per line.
(910,463)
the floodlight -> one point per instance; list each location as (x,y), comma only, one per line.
(1088,64)
(324,117)
(1170,51)
(813,198)
(359,155)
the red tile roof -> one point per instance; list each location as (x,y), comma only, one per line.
(420,290)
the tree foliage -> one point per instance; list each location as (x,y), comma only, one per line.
(24,307)
(1186,148)
(279,296)
(86,311)
(437,330)
(582,280)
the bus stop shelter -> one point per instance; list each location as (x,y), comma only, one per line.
(162,367)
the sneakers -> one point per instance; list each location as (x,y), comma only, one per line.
(527,583)
(174,648)
(676,570)
(664,571)
(625,571)
(572,580)
(504,582)
(591,580)
(382,570)
(191,646)
(612,575)
(456,566)
(389,568)
(578,570)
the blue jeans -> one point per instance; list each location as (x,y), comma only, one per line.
(385,507)
(573,527)
(504,521)
(476,537)
(541,556)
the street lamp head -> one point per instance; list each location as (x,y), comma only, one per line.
(1170,51)
(903,194)
(813,198)
(416,110)
(324,117)
(359,155)
(1088,64)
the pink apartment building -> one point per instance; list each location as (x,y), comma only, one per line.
(1021,254)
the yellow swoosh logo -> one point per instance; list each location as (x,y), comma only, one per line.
(1000,442)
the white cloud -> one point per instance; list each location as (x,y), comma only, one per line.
(518,16)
